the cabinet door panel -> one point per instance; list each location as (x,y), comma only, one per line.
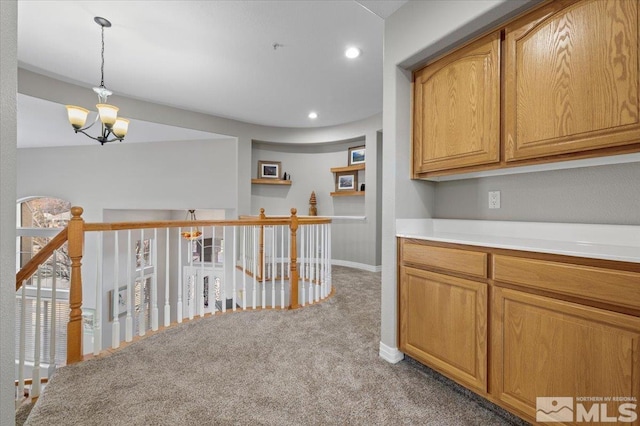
(572,79)
(457,109)
(443,323)
(548,348)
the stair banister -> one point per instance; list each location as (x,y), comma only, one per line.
(293,282)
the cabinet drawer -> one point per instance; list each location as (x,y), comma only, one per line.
(603,285)
(461,261)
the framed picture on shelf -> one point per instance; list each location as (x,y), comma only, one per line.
(356,155)
(347,181)
(122,302)
(269,169)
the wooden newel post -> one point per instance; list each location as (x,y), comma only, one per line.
(261,246)
(293,277)
(75,232)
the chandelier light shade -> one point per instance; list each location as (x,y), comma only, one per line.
(193,233)
(114,128)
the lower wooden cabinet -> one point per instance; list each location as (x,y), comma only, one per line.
(543,347)
(444,324)
(525,327)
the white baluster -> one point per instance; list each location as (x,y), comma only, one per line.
(223,285)
(316,270)
(309,261)
(193,275)
(282,237)
(233,269)
(244,268)
(255,268)
(115,327)
(180,287)
(141,315)
(200,293)
(301,259)
(154,282)
(167,306)
(35,372)
(329,259)
(22,337)
(324,260)
(273,272)
(52,332)
(128,324)
(97,319)
(263,262)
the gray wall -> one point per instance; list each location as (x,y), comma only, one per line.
(603,194)
(309,166)
(8,140)
(157,175)
(353,240)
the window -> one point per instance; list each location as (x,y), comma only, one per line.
(143,253)
(38,221)
(141,305)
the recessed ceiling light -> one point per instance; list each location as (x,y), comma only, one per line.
(313,115)
(352,52)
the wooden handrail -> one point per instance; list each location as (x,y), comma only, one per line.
(121,226)
(32,265)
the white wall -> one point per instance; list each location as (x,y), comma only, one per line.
(417,32)
(8,140)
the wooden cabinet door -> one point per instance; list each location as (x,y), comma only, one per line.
(542,347)
(571,79)
(443,323)
(457,109)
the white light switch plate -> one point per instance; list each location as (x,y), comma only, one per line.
(494,199)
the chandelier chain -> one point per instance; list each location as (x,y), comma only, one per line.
(102,55)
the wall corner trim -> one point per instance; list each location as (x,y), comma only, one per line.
(389,354)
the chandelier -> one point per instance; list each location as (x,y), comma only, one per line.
(193,233)
(112,126)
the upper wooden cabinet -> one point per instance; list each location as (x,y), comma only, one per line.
(572,78)
(457,109)
(563,83)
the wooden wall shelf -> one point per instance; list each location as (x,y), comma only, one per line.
(347,168)
(271,181)
(347,193)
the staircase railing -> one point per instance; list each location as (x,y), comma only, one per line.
(206,267)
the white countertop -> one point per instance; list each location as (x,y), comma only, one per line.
(611,242)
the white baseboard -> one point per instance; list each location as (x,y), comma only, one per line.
(356,265)
(389,354)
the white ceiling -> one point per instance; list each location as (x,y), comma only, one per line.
(214,57)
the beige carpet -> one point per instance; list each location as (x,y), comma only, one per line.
(313,366)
